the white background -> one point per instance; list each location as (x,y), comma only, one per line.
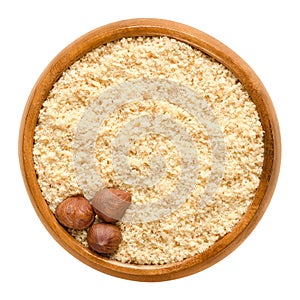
(265,34)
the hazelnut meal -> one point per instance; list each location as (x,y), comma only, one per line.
(190,229)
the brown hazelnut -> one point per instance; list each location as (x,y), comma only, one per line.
(104,238)
(75,212)
(111,204)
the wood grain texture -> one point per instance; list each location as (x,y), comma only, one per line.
(212,47)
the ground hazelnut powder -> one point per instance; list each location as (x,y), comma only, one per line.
(190,229)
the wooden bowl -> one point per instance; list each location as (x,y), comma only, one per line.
(210,46)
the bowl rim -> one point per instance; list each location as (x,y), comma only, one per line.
(214,48)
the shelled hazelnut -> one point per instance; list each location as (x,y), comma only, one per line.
(75,212)
(104,238)
(111,204)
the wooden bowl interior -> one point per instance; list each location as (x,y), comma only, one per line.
(210,46)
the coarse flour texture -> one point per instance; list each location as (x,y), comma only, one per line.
(190,229)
